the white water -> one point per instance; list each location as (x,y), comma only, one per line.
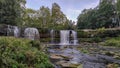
(8,30)
(13,31)
(64,37)
(31,33)
(16,31)
(75,41)
(52,35)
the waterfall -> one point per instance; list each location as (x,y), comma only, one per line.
(31,33)
(13,31)
(52,35)
(9,30)
(75,41)
(16,31)
(64,37)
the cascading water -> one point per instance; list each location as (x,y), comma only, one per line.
(9,30)
(31,33)
(13,31)
(52,35)
(16,31)
(64,37)
(75,41)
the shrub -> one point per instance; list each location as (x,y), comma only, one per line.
(113,42)
(90,40)
(20,53)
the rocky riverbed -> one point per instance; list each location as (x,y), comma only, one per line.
(85,55)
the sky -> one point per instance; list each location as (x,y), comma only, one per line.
(71,8)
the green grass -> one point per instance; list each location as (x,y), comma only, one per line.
(22,53)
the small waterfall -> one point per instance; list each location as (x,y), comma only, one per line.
(52,35)
(9,30)
(13,31)
(31,33)
(16,31)
(75,41)
(64,37)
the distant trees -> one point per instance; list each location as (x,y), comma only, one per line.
(11,11)
(46,18)
(101,16)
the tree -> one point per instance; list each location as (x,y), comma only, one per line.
(105,13)
(118,6)
(100,16)
(11,11)
(87,19)
(30,17)
(44,17)
(58,18)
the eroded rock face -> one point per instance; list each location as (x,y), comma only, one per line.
(31,33)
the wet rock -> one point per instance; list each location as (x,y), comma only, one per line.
(93,65)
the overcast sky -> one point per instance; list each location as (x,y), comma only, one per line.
(71,8)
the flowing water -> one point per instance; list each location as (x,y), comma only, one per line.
(16,31)
(70,57)
(52,34)
(75,41)
(64,37)
(13,31)
(31,33)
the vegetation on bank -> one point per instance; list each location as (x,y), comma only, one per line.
(22,53)
(113,42)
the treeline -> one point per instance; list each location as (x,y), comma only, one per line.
(106,14)
(14,12)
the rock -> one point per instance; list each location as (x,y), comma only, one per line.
(65,57)
(65,64)
(112,66)
(54,56)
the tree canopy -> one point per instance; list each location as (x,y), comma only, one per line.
(101,16)
(11,11)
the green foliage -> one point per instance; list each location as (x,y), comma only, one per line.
(113,42)
(83,34)
(102,33)
(91,40)
(118,6)
(46,18)
(100,16)
(11,11)
(21,53)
